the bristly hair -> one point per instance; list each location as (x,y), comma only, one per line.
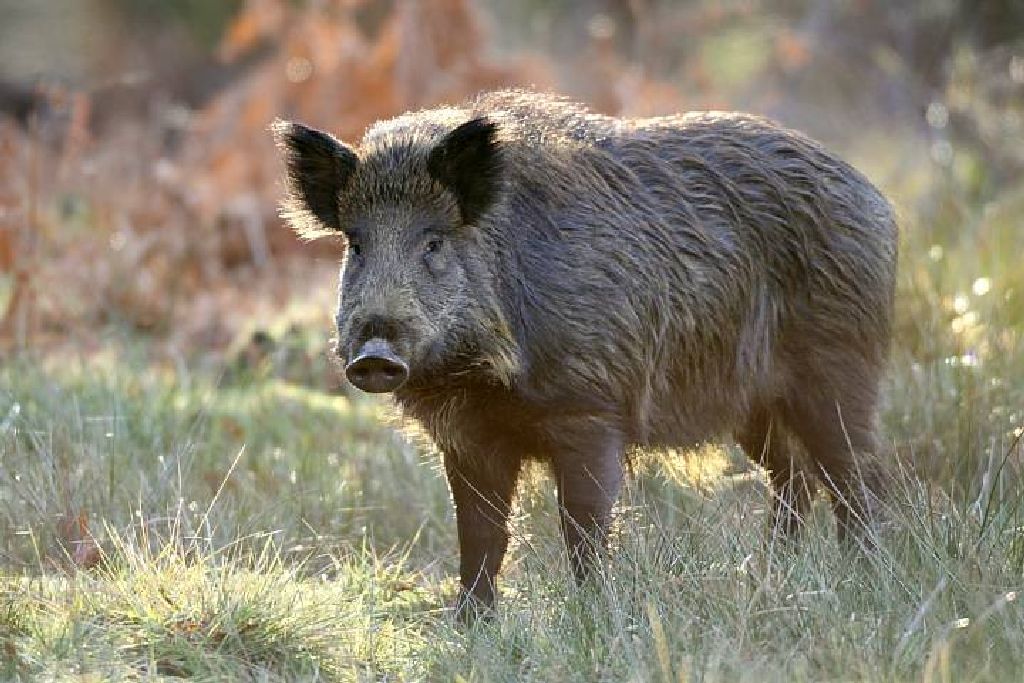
(318,168)
(468,162)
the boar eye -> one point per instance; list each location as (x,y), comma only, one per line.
(354,248)
(433,246)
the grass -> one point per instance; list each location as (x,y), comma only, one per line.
(164,520)
(270,532)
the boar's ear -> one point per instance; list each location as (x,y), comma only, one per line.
(319,167)
(468,162)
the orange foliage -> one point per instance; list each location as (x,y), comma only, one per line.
(169,223)
(82,549)
(166,239)
(327,72)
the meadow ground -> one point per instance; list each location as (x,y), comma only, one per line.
(168,517)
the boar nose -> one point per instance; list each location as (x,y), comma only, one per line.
(376,368)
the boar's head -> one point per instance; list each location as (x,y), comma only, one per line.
(417,299)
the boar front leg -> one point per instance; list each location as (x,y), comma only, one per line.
(589,474)
(482,493)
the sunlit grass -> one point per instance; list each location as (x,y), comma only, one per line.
(695,588)
(267,530)
(212,614)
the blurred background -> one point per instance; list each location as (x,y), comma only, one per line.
(138,181)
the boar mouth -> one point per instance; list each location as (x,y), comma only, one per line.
(376,369)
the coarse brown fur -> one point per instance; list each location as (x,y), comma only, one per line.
(603,284)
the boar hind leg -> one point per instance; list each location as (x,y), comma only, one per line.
(839,435)
(482,492)
(589,475)
(763,440)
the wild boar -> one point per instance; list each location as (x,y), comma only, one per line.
(532,280)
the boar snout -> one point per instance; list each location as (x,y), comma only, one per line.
(376,368)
